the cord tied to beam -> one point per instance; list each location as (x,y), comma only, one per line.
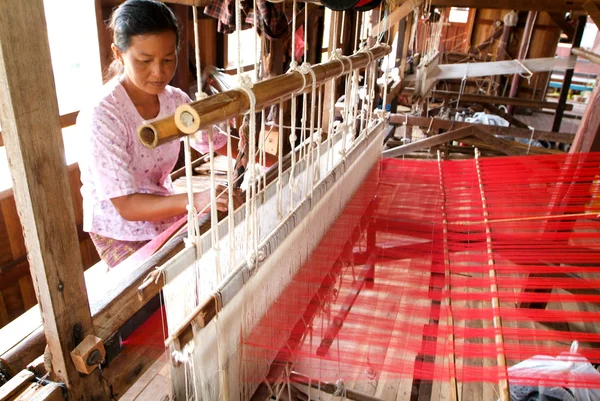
(338,56)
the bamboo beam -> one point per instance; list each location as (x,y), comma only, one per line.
(593,57)
(190,118)
(429,142)
(33,142)
(438,123)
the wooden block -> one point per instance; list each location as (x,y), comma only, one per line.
(87,348)
(16,384)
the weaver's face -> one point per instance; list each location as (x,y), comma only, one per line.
(151,60)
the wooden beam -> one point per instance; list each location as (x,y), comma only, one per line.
(498,143)
(34,146)
(587,138)
(15,385)
(593,11)
(399,13)
(566,85)
(331,388)
(593,57)
(524,48)
(473,98)
(429,142)
(438,123)
(499,112)
(563,24)
(539,5)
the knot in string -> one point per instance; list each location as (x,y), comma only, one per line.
(254,258)
(201,95)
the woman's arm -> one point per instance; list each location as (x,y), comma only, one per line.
(148,207)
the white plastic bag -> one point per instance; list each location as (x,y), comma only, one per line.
(569,370)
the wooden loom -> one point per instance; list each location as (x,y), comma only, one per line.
(242,285)
(308,382)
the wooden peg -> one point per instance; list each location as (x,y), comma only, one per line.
(88,354)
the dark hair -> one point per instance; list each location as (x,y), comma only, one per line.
(139,17)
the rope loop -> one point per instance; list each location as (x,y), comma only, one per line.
(338,56)
(246,85)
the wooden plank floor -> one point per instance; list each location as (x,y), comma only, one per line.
(153,385)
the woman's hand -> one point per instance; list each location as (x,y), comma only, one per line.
(202,199)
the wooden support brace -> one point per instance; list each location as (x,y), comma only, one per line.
(429,142)
(498,111)
(561,22)
(438,123)
(498,143)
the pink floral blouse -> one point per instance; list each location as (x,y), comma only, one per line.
(114,163)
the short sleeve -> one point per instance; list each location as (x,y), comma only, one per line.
(110,159)
(200,140)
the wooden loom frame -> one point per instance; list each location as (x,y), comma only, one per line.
(123,301)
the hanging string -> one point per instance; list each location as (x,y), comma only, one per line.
(230,209)
(280,163)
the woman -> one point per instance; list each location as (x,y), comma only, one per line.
(127,191)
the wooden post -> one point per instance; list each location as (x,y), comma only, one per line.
(587,138)
(525,40)
(33,142)
(564,91)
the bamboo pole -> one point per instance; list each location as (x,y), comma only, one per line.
(190,118)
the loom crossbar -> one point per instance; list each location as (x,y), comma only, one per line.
(190,118)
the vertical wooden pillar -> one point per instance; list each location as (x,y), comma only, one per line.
(525,40)
(564,90)
(587,138)
(33,142)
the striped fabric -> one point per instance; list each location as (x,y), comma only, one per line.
(114,251)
